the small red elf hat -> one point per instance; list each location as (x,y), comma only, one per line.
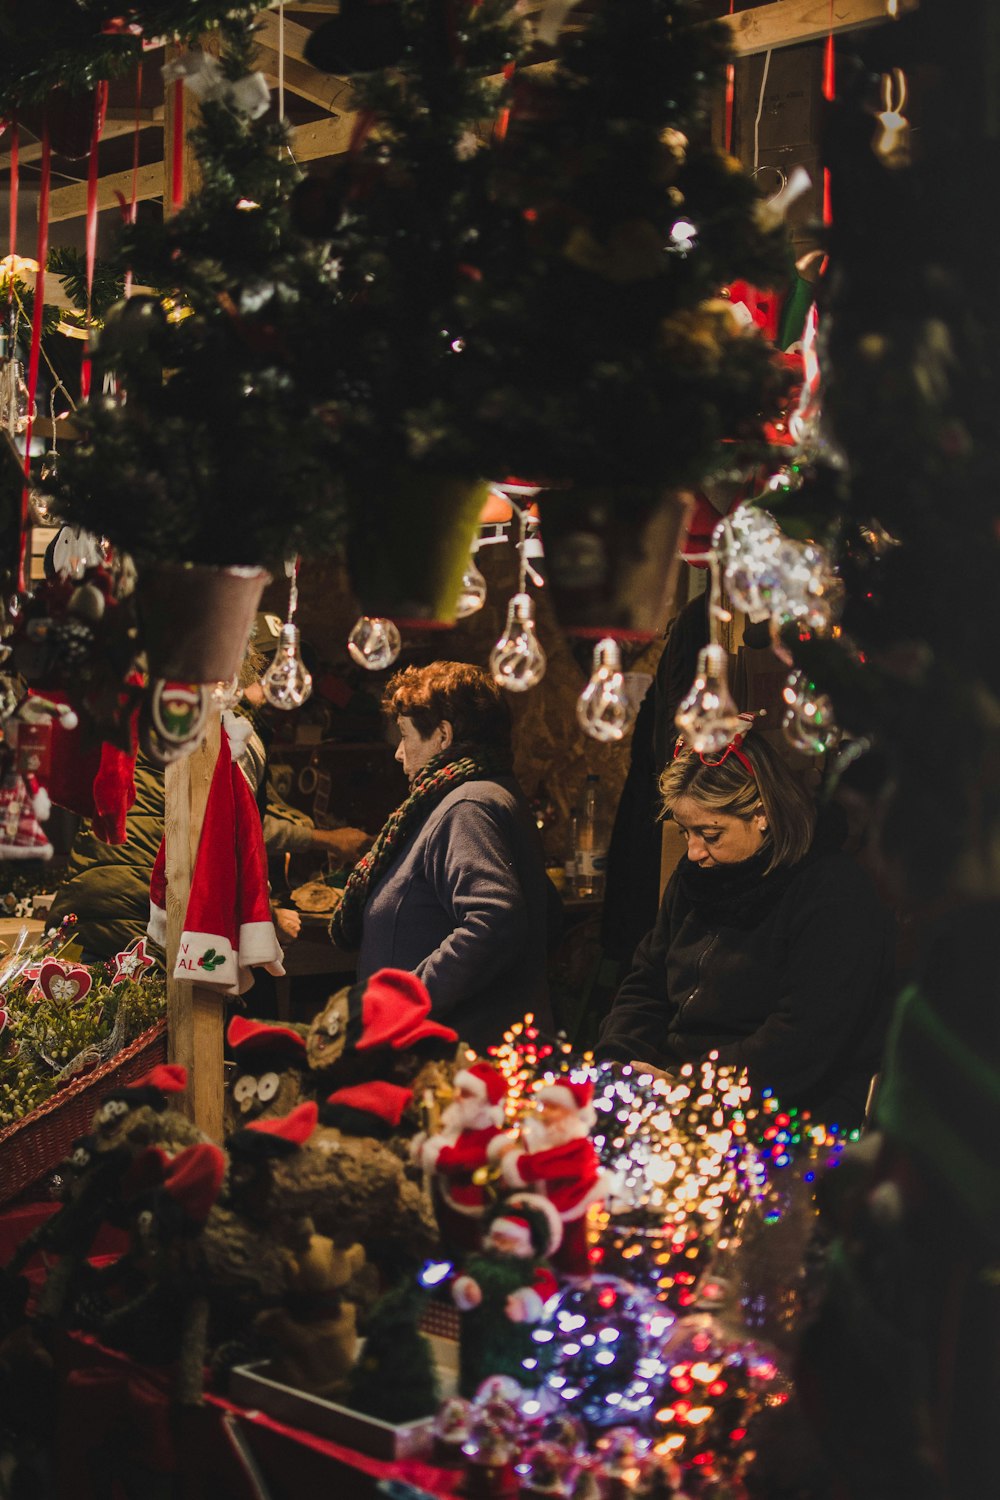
(395,1011)
(193,1179)
(263,1138)
(248,1037)
(384,1101)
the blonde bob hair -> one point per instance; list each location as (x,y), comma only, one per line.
(724,783)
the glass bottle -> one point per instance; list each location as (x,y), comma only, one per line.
(591,848)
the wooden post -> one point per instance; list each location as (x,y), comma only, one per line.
(195,1012)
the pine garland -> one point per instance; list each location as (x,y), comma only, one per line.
(219,454)
(52,44)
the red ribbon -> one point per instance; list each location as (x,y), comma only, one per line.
(100,108)
(177,161)
(730,92)
(130,214)
(829,94)
(125,1405)
(41,255)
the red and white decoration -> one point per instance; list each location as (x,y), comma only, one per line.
(228,927)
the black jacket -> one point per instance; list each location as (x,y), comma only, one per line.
(787,974)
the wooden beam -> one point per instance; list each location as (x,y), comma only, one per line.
(785,23)
(324,89)
(119,122)
(71,202)
(321,138)
(269,35)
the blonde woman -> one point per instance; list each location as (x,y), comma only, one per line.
(770,947)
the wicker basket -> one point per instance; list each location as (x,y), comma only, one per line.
(41,1140)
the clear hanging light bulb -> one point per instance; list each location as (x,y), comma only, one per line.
(374,643)
(809,722)
(708,717)
(472,592)
(287,682)
(603,708)
(23,409)
(517,661)
(226,694)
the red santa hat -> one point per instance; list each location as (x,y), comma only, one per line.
(576,1096)
(516,1229)
(228,926)
(383,1101)
(487,1084)
(395,1011)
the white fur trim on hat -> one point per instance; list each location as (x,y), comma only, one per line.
(156,927)
(542,1206)
(558,1093)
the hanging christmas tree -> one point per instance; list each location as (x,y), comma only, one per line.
(407,214)
(210,448)
(604,348)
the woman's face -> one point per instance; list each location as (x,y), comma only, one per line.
(715,838)
(413,751)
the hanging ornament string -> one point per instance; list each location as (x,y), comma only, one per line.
(41,256)
(281,62)
(100,109)
(829,94)
(134,200)
(14,181)
(730,93)
(177,148)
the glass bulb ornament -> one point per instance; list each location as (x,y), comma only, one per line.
(809,722)
(16,407)
(374,643)
(472,590)
(226,694)
(517,661)
(604,709)
(708,717)
(287,682)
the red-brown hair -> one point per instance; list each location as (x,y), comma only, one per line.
(456,692)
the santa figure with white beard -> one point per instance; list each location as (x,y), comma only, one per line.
(462,1150)
(554,1155)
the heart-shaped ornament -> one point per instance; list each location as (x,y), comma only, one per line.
(65,984)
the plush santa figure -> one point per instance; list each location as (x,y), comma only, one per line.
(470,1126)
(503,1289)
(555,1155)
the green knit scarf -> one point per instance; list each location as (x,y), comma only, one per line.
(430,786)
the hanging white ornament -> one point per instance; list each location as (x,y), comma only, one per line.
(287,683)
(809,722)
(708,717)
(517,661)
(472,591)
(604,709)
(374,643)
